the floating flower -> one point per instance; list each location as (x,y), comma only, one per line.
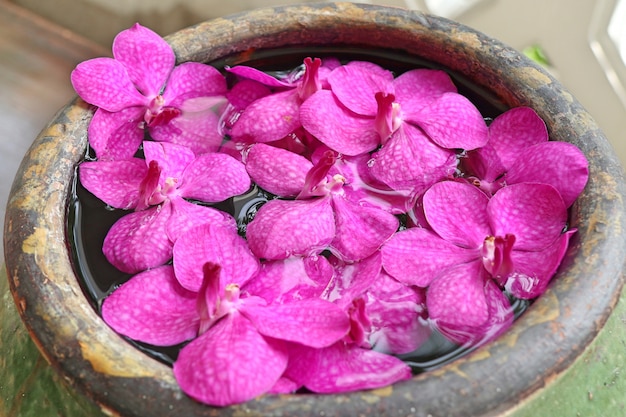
(470,229)
(519,151)
(157,188)
(140,88)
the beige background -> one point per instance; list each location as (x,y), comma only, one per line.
(561,27)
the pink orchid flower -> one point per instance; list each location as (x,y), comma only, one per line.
(519,151)
(157,188)
(140,88)
(320,217)
(274,116)
(514,239)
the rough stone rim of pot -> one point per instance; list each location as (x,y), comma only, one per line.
(540,345)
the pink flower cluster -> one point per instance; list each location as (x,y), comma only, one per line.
(396,211)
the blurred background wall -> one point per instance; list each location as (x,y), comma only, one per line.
(573,34)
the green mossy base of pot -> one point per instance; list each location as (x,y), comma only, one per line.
(593,386)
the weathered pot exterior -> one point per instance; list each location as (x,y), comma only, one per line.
(540,346)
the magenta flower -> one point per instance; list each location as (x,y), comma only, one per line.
(274,116)
(519,151)
(320,217)
(156,188)
(139,88)
(501,238)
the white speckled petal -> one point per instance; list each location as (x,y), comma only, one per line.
(282,228)
(191,80)
(186,215)
(311,322)
(116,135)
(173,159)
(138,241)
(214,177)
(457,212)
(218,245)
(279,171)
(355,85)
(114,182)
(417,256)
(105,83)
(535,213)
(146,56)
(153,308)
(230,363)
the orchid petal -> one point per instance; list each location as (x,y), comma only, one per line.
(560,164)
(534,270)
(457,212)
(259,76)
(417,88)
(343,367)
(513,131)
(153,308)
(245,92)
(533,212)
(138,241)
(193,79)
(337,127)
(199,131)
(417,256)
(452,122)
(291,279)
(311,322)
(356,84)
(114,182)
(148,59)
(172,159)
(284,179)
(269,118)
(214,177)
(105,83)
(186,215)
(284,228)
(116,135)
(394,310)
(352,280)
(216,368)
(218,245)
(410,162)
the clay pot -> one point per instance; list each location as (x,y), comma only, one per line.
(541,345)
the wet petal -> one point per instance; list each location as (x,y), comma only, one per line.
(245,92)
(218,245)
(153,308)
(337,127)
(290,279)
(346,367)
(457,212)
(186,215)
(351,280)
(533,212)
(416,256)
(116,135)
(452,122)
(146,56)
(394,310)
(230,363)
(410,162)
(311,322)
(283,228)
(191,80)
(559,164)
(417,88)
(172,159)
(105,83)
(114,182)
(198,131)
(277,170)
(214,177)
(534,270)
(356,84)
(513,131)
(269,118)
(138,241)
